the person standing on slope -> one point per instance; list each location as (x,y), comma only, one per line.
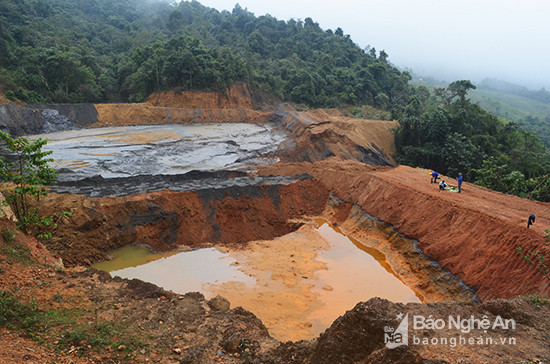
(435,176)
(459,182)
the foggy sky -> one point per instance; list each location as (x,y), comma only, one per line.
(447,39)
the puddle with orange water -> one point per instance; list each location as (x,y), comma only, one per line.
(178,271)
(352,277)
(298,284)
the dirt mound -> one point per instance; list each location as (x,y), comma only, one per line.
(358,336)
(319,134)
(475,235)
(165,220)
(93,318)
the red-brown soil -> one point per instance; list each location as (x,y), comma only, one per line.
(237,97)
(167,220)
(318,134)
(474,234)
(184,107)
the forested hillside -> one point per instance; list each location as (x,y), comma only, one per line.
(530,109)
(124,50)
(448,133)
(105,50)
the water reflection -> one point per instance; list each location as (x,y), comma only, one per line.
(181,272)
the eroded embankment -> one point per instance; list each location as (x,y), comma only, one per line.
(185,107)
(475,235)
(319,134)
(425,276)
(166,219)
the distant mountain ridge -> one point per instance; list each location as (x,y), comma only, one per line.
(493,84)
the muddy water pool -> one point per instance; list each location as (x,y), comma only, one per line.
(298,284)
(160,149)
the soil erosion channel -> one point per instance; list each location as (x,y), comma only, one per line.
(298,281)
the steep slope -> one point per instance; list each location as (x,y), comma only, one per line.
(476,234)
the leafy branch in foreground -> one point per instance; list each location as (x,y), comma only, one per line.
(25,167)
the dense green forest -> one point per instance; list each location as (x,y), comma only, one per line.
(123,50)
(105,50)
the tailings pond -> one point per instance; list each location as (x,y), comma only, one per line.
(161,149)
(297,284)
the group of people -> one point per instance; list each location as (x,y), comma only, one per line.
(442,184)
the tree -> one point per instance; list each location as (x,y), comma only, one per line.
(460,88)
(25,165)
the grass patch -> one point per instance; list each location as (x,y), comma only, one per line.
(15,314)
(61,327)
(14,250)
(539,300)
(83,338)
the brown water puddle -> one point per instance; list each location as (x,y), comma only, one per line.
(297,284)
(178,271)
(307,279)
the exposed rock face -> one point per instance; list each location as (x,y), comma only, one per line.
(165,220)
(21,120)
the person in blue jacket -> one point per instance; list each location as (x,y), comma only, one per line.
(459,182)
(530,220)
(435,176)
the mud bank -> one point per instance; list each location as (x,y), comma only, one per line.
(475,235)
(233,183)
(425,276)
(166,220)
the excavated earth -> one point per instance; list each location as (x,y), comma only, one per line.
(330,165)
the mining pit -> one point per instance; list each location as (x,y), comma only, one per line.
(297,278)
(300,219)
